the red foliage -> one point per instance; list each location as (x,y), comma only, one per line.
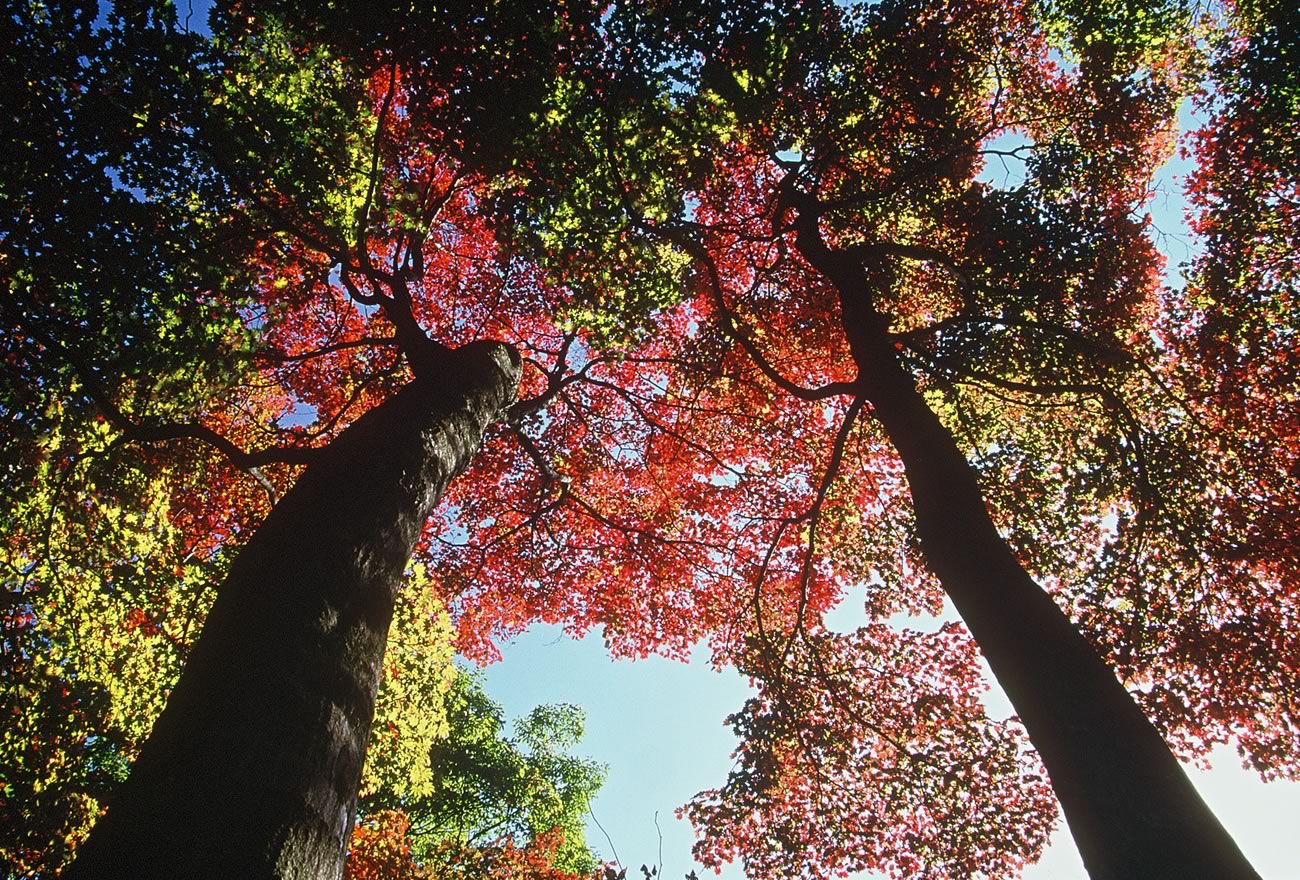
(1237,367)
(380,849)
(872,751)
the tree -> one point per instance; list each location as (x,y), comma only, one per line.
(933,277)
(387,470)
(489,801)
(680,467)
(101,292)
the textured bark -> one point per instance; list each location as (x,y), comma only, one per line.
(1130,806)
(252,769)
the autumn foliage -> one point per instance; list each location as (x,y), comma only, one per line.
(714,250)
(382,851)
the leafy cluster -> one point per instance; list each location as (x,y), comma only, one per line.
(103,595)
(839,707)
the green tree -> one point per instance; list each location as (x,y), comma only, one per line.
(486,789)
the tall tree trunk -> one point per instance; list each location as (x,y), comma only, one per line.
(1131,808)
(253,767)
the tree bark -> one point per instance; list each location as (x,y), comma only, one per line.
(253,767)
(1132,810)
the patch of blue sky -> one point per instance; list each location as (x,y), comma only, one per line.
(193,15)
(1005,160)
(300,415)
(455,534)
(254,317)
(366,310)
(119,185)
(656,723)
(1169,205)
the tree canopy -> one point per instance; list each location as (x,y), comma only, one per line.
(779,336)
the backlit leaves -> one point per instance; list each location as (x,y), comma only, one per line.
(491,800)
(871,751)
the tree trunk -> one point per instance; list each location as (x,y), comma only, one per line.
(1131,808)
(253,767)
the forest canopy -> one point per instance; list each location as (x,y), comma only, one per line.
(341,340)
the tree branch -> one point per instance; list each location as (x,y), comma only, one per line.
(731,325)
